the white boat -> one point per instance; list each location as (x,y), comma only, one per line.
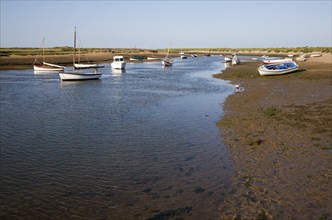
(118,62)
(277,68)
(46,67)
(235,60)
(153,58)
(227,59)
(86,66)
(316,55)
(193,55)
(76,75)
(79,76)
(301,58)
(167,61)
(270,61)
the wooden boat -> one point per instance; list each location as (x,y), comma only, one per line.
(46,67)
(76,75)
(167,61)
(277,68)
(118,62)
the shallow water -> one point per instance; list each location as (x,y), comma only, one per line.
(135,144)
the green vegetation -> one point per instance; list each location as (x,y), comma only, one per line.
(271,111)
(65,50)
(171,213)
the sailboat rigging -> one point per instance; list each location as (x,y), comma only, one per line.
(82,65)
(167,61)
(76,75)
(44,66)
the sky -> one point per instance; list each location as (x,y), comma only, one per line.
(159,24)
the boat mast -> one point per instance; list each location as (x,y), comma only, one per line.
(43,50)
(74,45)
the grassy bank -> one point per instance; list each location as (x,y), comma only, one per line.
(68,50)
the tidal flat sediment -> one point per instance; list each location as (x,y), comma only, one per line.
(278,131)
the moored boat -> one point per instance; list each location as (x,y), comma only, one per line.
(277,68)
(79,76)
(153,58)
(86,66)
(46,67)
(167,61)
(118,62)
(76,75)
(136,58)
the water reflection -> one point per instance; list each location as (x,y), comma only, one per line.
(128,146)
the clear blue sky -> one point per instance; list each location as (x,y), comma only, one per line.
(154,24)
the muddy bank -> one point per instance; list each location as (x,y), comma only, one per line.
(278,131)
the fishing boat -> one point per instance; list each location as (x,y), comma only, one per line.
(167,61)
(80,65)
(45,67)
(76,75)
(277,68)
(118,62)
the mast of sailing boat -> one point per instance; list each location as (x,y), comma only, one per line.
(74,48)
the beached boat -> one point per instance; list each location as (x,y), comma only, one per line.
(270,61)
(46,67)
(301,58)
(167,61)
(277,68)
(227,59)
(316,55)
(235,60)
(118,62)
(76,75)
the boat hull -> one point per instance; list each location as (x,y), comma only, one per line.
(86,66)
(42,68)
(167,63)
(76,76)
(277,69)
(118,65)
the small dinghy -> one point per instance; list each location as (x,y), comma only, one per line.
(277,68)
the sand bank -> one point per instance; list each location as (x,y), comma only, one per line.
(279,133)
